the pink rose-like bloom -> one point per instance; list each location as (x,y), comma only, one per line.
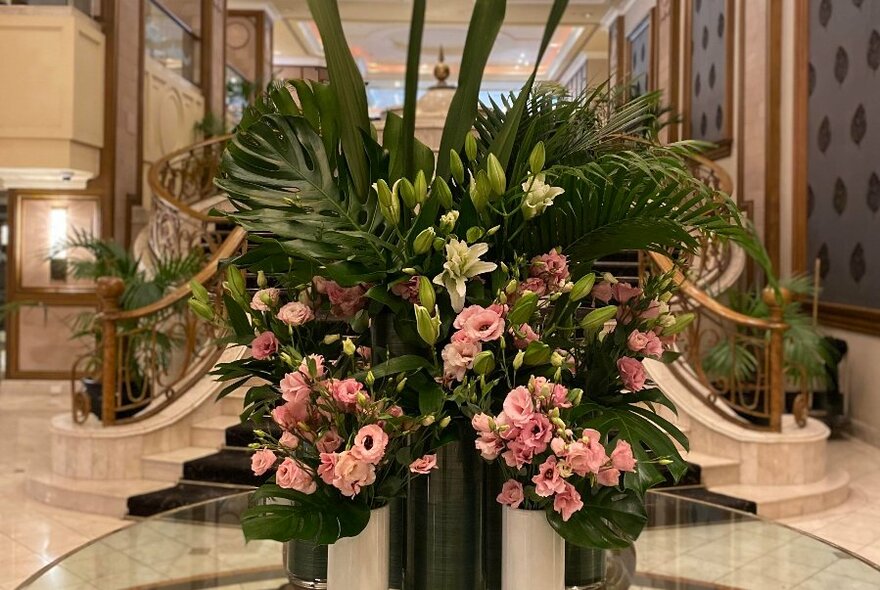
(622,457)
(552,394)
(258,302)
(632,372)
(623,292)
(395,411)
(345,392)
(264,346)
(408,290)
(490,446)
(511,494)
(369,444)
(608,477)
(327,468)
(584,458)
(548,481)
(559,447)
(536,433)
(424,465)
(637,341)
(654,346)
(568,501)
(285,417)
(518,454)
(292,476)
(652,312)
(329,442)
(480,422)
(602,292)
(262,461)
(519,406)
(289,440)
(458,356)
(318,360)
(534,284)
(295,386)
(506,427)
(351,474)
(365,352)
(552,268)
(480,324)
(646,343)
(523,335)
(346,301)
(295,314)
(321,284)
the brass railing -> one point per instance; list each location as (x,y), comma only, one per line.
(147,357)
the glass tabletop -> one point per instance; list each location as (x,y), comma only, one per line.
(688,545)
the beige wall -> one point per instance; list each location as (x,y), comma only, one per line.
(49,55)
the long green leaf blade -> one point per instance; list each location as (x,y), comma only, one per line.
(414,52)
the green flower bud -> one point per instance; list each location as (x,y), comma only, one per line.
(556,359)
(681,322)
(260,433)
(492,231)
(484,362)
(583,287)
(331,338)
(361,321)
(445,422)
(510,289)
(575,395)
(497,177)
(388,203)
(537,353)
(348,347)
(438,244)
(235,282)
(448,221)
(427,296)
(665,461)
(597,318)
(518,360)
(262,283)
(536,158)
(409,270)
(428,420)
(201,309)
(383,192)
(199,292)
(522,311)
(456,166)
(400,385)
(361,399)
(421,187)
(470,147)
(480,190)
(407,192)
(440,191)
(370,379)
(424,240)
(287,359)
(427,327)
(473,234)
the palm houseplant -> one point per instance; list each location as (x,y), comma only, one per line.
(105,258)
(430,327)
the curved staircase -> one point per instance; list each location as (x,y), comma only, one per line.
(194,449)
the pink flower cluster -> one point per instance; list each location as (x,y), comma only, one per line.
(548,274)
(475,325)
(344,301)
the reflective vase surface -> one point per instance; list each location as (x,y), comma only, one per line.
(532,554)
(361,562)
(306,565)
(584,568)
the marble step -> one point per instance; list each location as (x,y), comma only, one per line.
(211,433)
(714,471)
(233,404)
(784,501)
(108,496)
(169,466)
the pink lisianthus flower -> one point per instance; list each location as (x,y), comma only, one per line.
(327,468)
(568,501)
(622,457)
(345,391)
(632,373)
(365,352)
(585,458)
(424,465)
(506,427)
(345,301)
(552,268)
(295,387)
(652,312)
(350,474)
(518,454)
(264,346)
(482,423)
(265,299)
(319,366)
(637,341)
(646,343)
(523,335)
(395,411)
(292,476)
(262,461)
(286,416)
(490,446)
(289,440)
(654,346)
(369,444)
(559,447)
(408,290)
(536,433)
(511,494)
(602,292)
(479,323)
(548,481)
(623,292)
(329,442)
(608,477)
(519,406)
(295,314)
(458,356)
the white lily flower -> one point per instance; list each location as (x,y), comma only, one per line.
(539,195)
(462,263)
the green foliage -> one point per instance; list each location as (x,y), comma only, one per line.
(610,519)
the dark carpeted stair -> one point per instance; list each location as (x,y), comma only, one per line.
(230,466)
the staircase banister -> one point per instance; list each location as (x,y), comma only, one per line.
(708,302)
(231,245)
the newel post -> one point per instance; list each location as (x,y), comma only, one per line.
(776,352)
(109,290)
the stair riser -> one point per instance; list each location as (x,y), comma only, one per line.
(162,470)
(207,437)
(719,475)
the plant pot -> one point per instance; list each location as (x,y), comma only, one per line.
(361,562)
(533,555)
(306,564)
(444,520)
(130,393)
(584,568)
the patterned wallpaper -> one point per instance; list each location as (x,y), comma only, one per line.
(640,58)
(843,199)
(708,91)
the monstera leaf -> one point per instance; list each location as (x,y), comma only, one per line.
(318,518)
(610,519)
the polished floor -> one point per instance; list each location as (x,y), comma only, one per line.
(33,534)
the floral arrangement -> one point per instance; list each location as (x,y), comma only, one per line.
(469,277)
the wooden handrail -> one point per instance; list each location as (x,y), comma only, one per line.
(228,248)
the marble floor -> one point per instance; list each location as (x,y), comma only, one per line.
(33,534)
